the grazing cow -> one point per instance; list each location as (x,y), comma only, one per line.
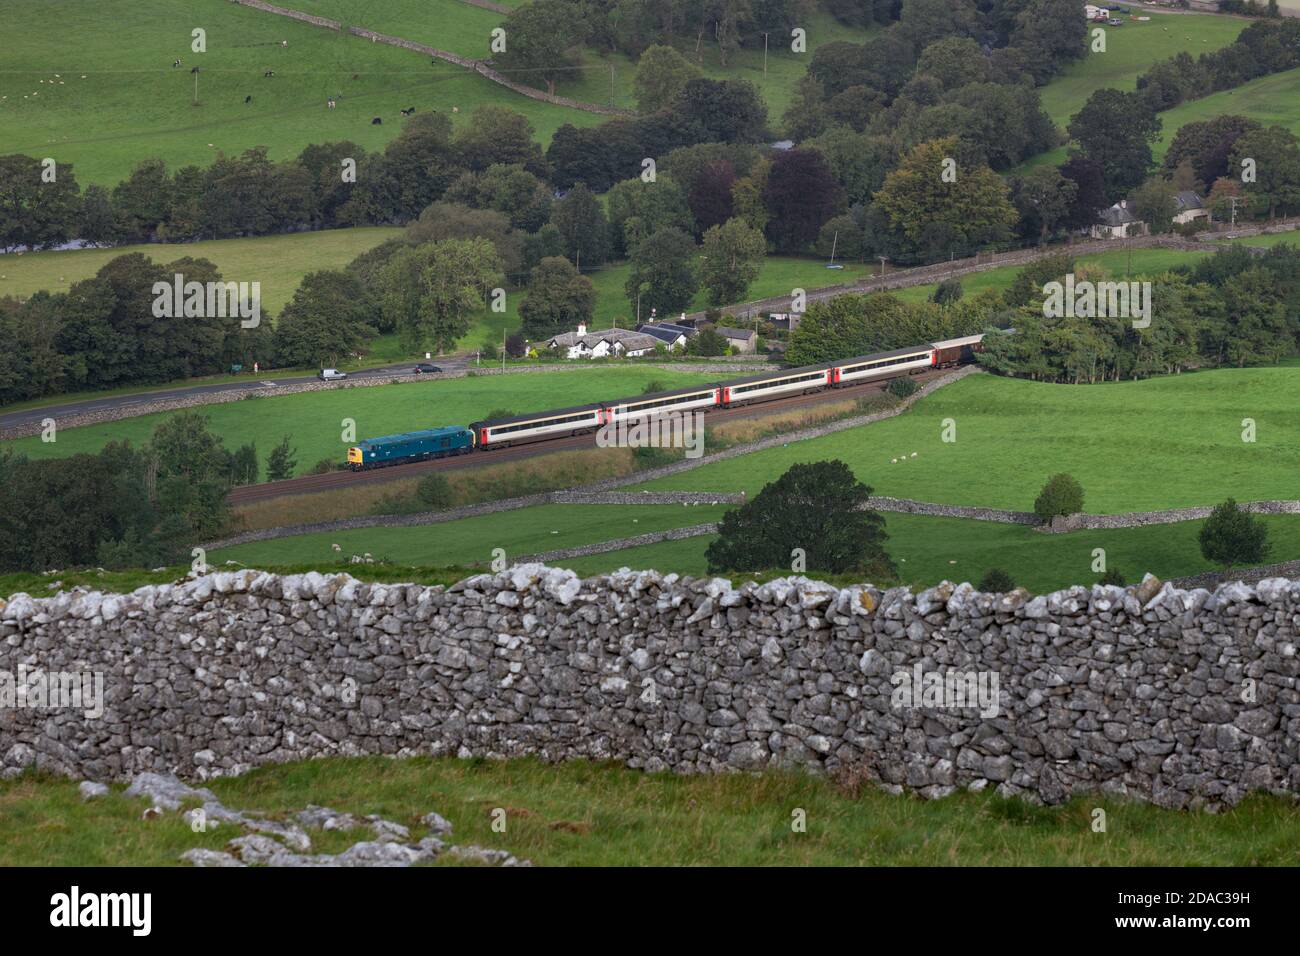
(408,111)
(248,99)
(376,122)
(269,73)
(176,62)
(194,69)
(330,102)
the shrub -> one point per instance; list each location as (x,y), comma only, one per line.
(434,491)
(947,292)
(902,387)
(1231,536)
(1062,495)
(996,581)
(1113,576)
(323,467)
(652,386)
(647,457)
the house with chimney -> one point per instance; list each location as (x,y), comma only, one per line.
(607,343)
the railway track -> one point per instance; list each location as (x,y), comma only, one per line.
(309,484)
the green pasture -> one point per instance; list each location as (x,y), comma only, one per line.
(93,85)
(315,420)
(1161,443)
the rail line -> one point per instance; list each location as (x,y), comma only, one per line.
(309,484)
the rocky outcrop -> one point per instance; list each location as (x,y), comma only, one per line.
(1184,698)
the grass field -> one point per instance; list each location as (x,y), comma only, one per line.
(1117,264)
(605,79)
(472,540)
(278,262)
(1130,51)
(1271,100)
(1272,239)
(132,104)
(1160,443)
(929,550)
(586,814)
(314,420)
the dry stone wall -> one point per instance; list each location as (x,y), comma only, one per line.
(1185,698)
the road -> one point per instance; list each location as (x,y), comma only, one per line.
(449,363)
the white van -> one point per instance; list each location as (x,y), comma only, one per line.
(331,375)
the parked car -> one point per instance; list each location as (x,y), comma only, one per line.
(426,369)
(331,375)
(1115,22)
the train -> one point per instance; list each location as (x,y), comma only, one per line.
(560,422)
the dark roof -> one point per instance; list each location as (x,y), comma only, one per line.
(541,413)
(684,329)
(1116,215)
(1189,199)
(660,333)
(735,333)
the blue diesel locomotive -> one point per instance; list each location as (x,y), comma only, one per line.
(410,446)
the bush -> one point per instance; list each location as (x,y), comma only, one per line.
(646,456)
(1062,495)
(996,581)
(1231,536)
(1113,576)
(947,292)
(652,386)
(323,467)
(902,387)
(434,491)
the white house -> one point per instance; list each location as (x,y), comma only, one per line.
(674,339)
(1118,222)
(603,344)
(1190,206)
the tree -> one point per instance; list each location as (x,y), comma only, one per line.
(818,507)
(1116,129)
(661,74)
(434,492)
(510,190)
(432,291)
(1062,495)
(1156,203)
(947,292)
(583,227)
(329,318)
(498,136)
(733,255)
(638,208)
(244,465)
(1043,199)
(542,38)
(34,211)
(709,342)
(1089,192)
(663,273)
(1208,145)
(1276,159)
(1232,537)
(996,581)
(189,472)
(558,298)
(720,111)
(711,198)
(800,195)
(972,211)
(282,461)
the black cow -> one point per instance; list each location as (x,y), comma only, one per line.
(408,111)
(269,73)
(248,99)
(376,122)
(194,70)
